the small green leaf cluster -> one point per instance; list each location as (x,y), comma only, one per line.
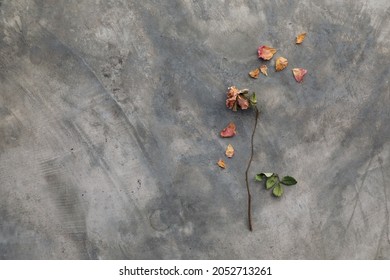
(253,100)
(273,182)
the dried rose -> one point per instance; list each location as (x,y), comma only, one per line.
(235,98)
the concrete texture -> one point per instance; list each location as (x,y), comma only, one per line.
(110,113)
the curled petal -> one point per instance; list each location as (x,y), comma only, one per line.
(232,92)
(298,74)
(265,52)
(243,102)
(229,151)
(300,38)
(221,164)
(281,63)
(255,73)
(230,102)
(229,131)
(264,69)
(243,91)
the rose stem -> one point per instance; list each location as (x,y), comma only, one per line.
(246,172)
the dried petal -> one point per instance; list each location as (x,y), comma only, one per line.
(254,73)
(236,98)
(232,97)
(229,151)
(231,102)
(221,164)
(265,52)
(300,38)
(299,73)
(229,131)
(281,63)
(243,102)
(264,69)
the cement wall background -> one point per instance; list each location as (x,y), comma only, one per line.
(110,113)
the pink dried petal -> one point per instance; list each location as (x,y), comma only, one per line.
(298,74)
(265,52)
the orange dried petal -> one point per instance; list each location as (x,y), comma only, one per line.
(298,74)
(254,73)
(229,131)
(221,164)
(265,52)
(264,69)
(300,38)
(281,63)
(229,151)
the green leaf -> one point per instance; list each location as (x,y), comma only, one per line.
(259,177)
(288,181)
(278,190)
(271,181)
(253,99)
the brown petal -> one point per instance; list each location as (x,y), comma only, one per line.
(265,52)
(298,74)
(229,131)
(243,102)
(255,73)
(232,92)
(281,63)
(229,151)
(300,38)
(221,164)
(230,102)
(264,69)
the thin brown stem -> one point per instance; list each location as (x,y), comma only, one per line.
(246,173)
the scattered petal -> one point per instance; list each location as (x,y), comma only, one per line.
(229,131)
(300,38)
(255,73)
(264,69)
(229,151)
(243,102)
(298,74)
(281,63)
(221,164)
(265,52)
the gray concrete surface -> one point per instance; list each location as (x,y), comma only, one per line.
(109,120)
